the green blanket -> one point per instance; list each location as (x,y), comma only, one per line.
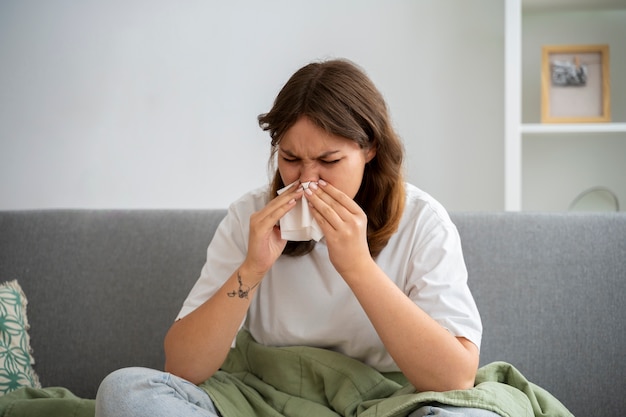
(261,381)
(46,402)
(301,381)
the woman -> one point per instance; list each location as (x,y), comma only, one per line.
(387,284)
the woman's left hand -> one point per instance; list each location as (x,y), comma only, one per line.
(344,224)
(429,355)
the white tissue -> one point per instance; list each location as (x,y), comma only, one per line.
(298,224)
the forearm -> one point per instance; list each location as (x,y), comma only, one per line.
(429,356)
(197,345)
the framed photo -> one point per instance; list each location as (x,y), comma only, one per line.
(575,84)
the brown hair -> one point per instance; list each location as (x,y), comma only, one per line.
(338,97)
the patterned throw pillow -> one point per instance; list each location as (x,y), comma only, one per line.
(15,353)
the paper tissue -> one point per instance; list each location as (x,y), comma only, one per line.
(298,224)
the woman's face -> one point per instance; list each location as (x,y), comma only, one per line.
(307,152)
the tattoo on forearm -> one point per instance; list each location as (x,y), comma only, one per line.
(243,289)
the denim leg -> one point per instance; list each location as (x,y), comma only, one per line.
(134,392)
(450,411)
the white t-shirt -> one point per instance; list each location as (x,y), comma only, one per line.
(304,301)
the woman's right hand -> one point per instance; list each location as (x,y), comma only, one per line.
(265,243)
(197,345)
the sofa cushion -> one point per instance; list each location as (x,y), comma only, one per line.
(15,354)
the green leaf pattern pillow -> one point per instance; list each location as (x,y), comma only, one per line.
(15,353)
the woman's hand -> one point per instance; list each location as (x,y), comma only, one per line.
(344,224)
(265,243)
(197,345)
(428,354)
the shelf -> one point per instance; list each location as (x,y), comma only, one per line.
(560,5)
(550,22)
(574,128)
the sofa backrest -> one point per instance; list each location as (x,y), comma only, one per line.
(104,286)
(550,288)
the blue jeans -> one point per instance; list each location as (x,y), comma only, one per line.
(134,392)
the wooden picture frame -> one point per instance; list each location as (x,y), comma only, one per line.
(575,84)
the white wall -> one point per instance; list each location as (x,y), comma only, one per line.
(153,103)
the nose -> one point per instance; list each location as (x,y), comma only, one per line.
(309,172)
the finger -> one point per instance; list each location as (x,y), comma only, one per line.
(333,202)
(325,209)
(338,196)
(278,207)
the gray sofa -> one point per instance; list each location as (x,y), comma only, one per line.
(103,287)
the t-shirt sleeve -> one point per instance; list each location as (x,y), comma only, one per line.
(437,276)
(225,253)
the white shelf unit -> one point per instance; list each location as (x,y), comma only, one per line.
(515,130)
(513,105)
(530,128)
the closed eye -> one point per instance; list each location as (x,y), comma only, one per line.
(334,161)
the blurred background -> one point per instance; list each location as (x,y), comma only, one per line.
(153,104)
